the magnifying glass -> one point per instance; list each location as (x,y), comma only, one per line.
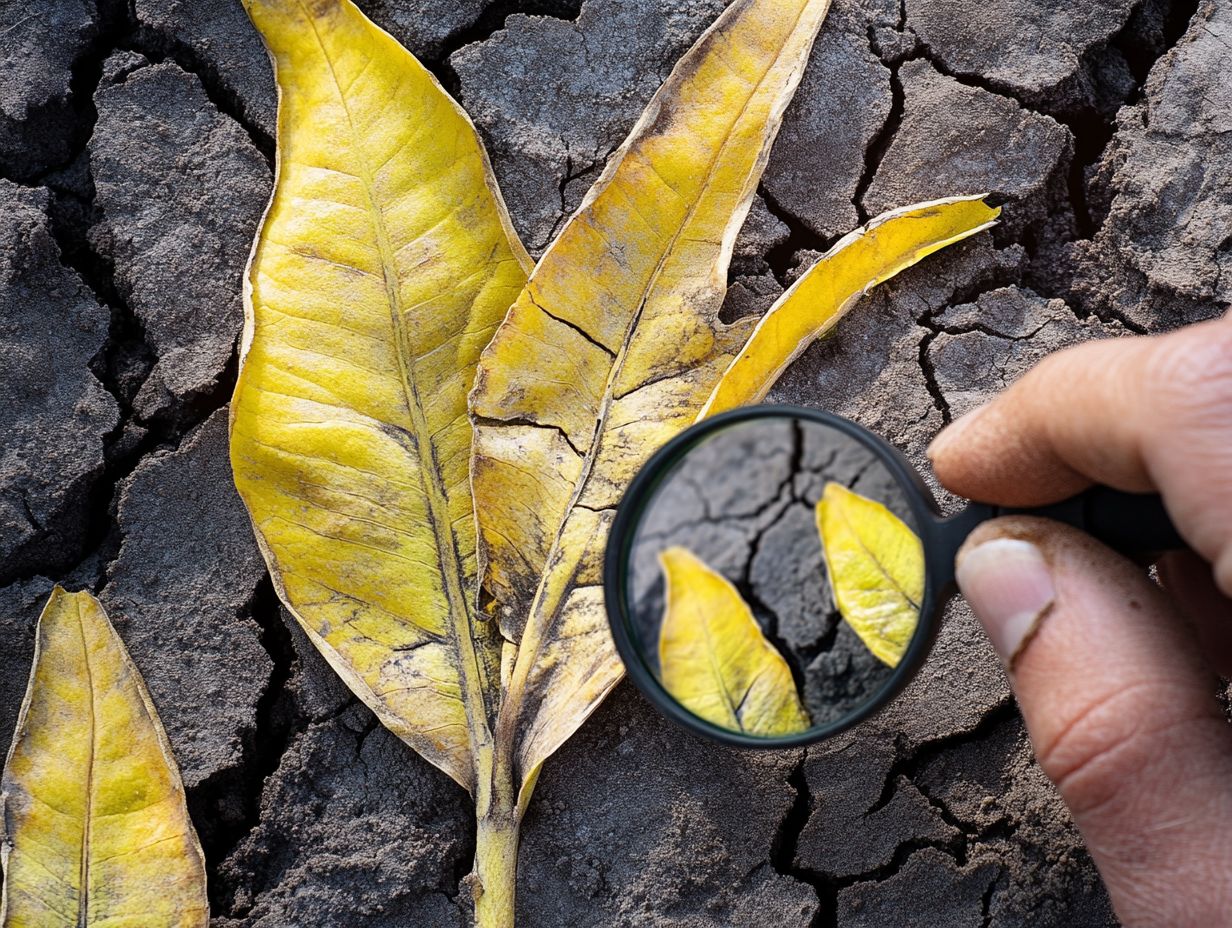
(776,574)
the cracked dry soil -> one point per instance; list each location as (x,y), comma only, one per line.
(135,160)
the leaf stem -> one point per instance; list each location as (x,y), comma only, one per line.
(494,880)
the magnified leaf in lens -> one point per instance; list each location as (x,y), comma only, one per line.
(876,565)
(95,824)
(714,659)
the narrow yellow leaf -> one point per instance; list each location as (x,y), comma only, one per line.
(859,261)
(385,262)
(876,567)
(95,826)
(611,349)
(714,659)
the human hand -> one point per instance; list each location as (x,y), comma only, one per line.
(1116,677)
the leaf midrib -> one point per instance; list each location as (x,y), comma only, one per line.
(471,675)
(876,561)
(87,830)
(719,676)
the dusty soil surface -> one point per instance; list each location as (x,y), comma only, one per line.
(135,153)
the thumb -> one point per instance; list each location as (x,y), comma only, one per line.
(1121,709)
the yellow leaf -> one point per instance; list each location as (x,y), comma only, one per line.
(859,261)
(714,659)
(96,830)
(876,567)
(385,262)
(611,349)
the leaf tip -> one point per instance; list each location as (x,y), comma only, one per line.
(674,556)
(834,494)
(995,202)
(62,601)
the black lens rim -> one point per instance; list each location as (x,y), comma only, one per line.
(628,516)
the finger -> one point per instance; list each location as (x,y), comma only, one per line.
(1121,711)
(1137,414)
(1187,579)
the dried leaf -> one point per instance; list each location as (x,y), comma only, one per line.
(385,262)
(612,348)
(876,567)
(714,659)
(859,261)
(96,830)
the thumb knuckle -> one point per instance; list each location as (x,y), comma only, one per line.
(1108,741)
(1194,371)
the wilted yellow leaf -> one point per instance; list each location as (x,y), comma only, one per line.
(96,830)
(613,348)
(876,567)
(889,244)
(714,659)
(384,264)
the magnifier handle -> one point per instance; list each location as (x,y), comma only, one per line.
(1131,523)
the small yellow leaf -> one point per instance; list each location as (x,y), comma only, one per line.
(889,244)
(385,262)
(876,567)
(96,830)
(714,659)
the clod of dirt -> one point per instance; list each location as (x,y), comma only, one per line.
(762,233)
(851,830)
(38,46)
(787,571)
(930,889)
(219,35)
(181,189)
(994,788)
(428,26)
(1032,48)
(216,38)
(958,139)
(843,102)
(54,413)
(20,605)
(356,829)
(750,294)
(870,368)
(178,594)
(987,345)
(1164,253)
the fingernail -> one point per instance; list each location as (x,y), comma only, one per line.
(953,432)
(1008,584)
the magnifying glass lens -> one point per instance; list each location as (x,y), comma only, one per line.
(774,577)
